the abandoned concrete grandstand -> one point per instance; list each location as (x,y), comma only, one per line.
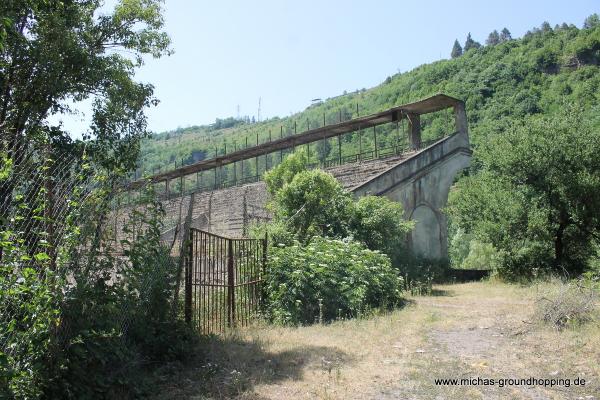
(418,175)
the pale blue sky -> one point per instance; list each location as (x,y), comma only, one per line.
(230,53)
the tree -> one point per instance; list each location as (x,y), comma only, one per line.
(545,27)
(537,198)
(313,204)
(59,53)
(591,22)
(379,223)
(323,150)
(505,35)
(456,50)
(471,44)
(285,172)
(493,38)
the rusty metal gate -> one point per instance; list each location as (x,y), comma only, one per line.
(223,279)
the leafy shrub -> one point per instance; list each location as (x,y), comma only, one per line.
(482,256)
(458,246)
(29,310)
(116,318)
(277,233)
(379,223)
(327,279)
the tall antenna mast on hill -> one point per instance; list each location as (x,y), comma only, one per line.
(258,118)
(238,111)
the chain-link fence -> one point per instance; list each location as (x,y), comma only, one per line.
(83,279)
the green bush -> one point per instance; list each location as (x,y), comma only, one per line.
(482,256)
(116,319)
(286,171)
(328,279)
(313,204)
(379,223)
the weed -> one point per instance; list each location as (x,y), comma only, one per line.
(571,303)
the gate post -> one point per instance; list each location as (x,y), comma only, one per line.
(230,284)
(264,257)
(188,279)
(261,292)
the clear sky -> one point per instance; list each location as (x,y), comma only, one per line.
(230,53)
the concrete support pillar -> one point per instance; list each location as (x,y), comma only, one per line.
(460,118)
(414,131)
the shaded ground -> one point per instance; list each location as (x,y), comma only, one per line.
(475,330)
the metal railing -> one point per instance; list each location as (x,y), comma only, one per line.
(210,183)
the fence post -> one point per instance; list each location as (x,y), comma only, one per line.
(264,257)
(375,140)
(359,145)
(339,140)
(263,271)
(230,284)
(188,279)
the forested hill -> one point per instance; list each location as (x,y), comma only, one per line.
(506,79)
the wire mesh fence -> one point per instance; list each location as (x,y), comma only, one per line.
(76,266)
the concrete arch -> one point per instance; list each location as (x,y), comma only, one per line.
(427,236)
(421,184)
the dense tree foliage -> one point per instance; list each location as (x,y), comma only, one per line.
(379,223)
(314,204)
(536,196)
(591,22)
(60,53)
(505,35)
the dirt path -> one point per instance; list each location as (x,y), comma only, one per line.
(467,331)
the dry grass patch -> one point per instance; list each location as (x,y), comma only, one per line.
(466,330)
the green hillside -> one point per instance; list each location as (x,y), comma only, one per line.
(500,82)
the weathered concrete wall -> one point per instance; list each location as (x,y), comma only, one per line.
(421,184)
